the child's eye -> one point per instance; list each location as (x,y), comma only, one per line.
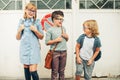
(31,10)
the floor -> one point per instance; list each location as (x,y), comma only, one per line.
(73,79)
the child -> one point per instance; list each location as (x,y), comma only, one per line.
(85,55)
(57,35)
(29,32)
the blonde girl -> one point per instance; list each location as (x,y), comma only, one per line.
(29,32)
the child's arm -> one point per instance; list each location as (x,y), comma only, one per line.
(37,33)
(18,36)
(57,40)
(77,48)
(96,53)
(64,35)
(37,29)
(94,56)
(49,40)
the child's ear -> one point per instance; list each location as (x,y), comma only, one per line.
(25,10)
(53,19)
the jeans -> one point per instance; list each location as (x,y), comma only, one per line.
(84,67)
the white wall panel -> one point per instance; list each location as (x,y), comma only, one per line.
(109,27)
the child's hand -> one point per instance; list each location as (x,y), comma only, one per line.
(33,28)
(90,62)
(79,60)
(59,39)
(64,35)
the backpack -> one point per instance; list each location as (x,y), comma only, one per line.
(94,47)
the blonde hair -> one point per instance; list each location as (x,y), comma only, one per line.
(92,25)
(33,7)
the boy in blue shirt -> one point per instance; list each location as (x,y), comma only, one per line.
(57,35)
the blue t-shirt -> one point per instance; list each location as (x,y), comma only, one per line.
(53,33)
(88,46)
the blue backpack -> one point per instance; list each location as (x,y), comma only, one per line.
(94,47)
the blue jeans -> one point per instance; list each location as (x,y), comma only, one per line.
(58,65)
(84,67)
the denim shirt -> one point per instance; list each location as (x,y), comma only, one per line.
(29,44)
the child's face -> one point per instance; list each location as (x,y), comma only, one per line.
(30,13)
(86,30)
(58,21)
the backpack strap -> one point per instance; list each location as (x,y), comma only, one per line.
(82,40)
(94,48)
(32,31)
(22,22)
(95,43)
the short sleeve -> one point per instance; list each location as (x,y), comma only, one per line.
(39,27)
(21,21)
(98,43)
(80,39)
(48,36)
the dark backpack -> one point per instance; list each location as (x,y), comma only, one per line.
(94,47)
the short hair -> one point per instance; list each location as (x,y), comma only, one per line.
(56,13)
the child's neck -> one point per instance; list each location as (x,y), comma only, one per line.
(54,25)
(89,35)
